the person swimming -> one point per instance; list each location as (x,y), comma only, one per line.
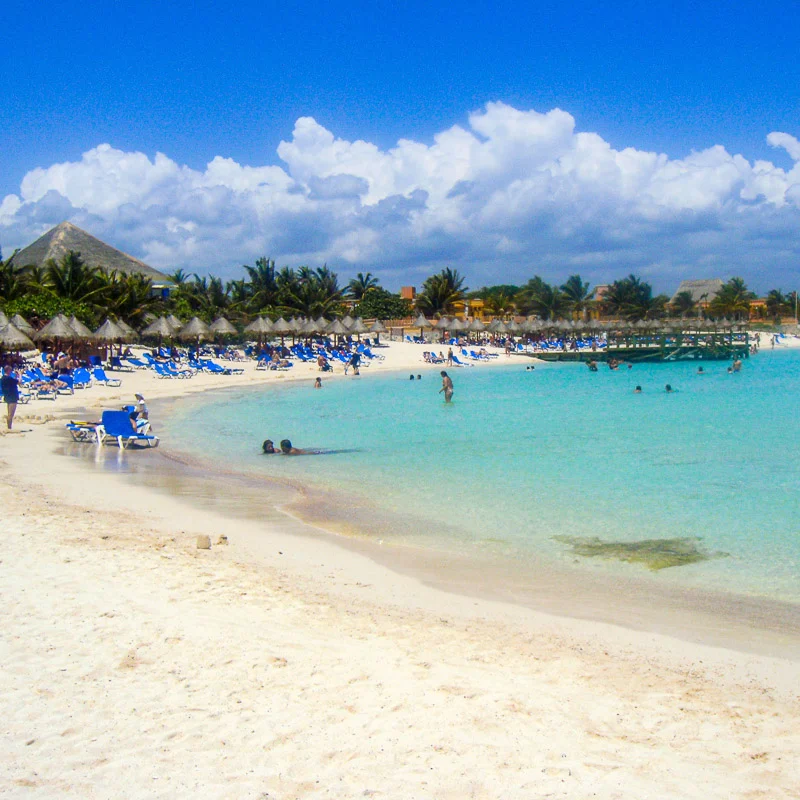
(268,448)
(668,389)
(637,390)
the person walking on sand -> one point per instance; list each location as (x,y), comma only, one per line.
(447,387)
(9,385)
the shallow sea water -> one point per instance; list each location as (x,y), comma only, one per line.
(524,459)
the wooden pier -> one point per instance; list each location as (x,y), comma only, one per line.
(640,346)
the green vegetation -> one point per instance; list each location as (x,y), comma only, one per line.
(655,554)
(70,286)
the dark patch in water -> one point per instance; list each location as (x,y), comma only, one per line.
(655,554)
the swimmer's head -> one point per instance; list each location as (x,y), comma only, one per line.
(411,377)
(268,446)
(638,389)
(286,446)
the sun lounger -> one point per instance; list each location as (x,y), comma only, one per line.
(116,426)
(81,378)
(99,375)
(83,431)
(115,362)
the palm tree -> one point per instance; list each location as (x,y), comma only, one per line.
(310,292)
(732,300)
(440,292)
(72,279)
(683,304)
(578,294)
(13,284)
(361,284)
(263,288)
(549,302)
(779,304)
(540,298)
(179,277)
(632,298)
(499,303)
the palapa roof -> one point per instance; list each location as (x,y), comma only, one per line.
(703,291)
(58,241)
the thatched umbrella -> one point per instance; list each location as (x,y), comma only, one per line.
(358,326)
(322,324)
(377,328)
(12,338)
(159,327)
(174,322)
(221,326)
(348,321)
(281,327)
(477,326)
(259,326)
(130,333)
(309,326)
(337,328)
(4,320)
(20,323)
(195,328)
(110,332)
(58,329)
(79,328)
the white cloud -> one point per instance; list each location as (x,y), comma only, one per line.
(511,194)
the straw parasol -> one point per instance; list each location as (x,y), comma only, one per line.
(337,327)
(80,329)
(12,338)
(377,327)
(477,326)
(110,332)
(4,320)
(322,324)
(421,322)
(57,329)
(348,321)
(259,325)
(358,326)
(159,327)
(195,328)
(281,326)
(309,326)
(20,323)
(174,322)
(221,326)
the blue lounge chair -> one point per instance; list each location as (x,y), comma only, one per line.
(84,431)
(99,374)
(116,425)
(81,378)
(115,362)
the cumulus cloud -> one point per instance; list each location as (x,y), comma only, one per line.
(510,194)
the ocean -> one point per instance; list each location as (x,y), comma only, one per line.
(555,467)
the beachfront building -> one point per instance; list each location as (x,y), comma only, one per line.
(66,237)
(702,291)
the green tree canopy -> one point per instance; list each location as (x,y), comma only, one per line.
(440,292)
(380,304)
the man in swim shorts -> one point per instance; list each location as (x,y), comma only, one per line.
(447,387)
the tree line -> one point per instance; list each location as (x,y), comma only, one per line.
(71,286)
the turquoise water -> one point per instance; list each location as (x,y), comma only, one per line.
(522,457)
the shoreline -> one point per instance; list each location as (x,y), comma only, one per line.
(311,644)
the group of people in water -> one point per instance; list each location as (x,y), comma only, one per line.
(285,448)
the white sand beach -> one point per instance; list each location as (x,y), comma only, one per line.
(288,666)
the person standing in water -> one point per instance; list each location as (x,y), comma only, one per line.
(447,387)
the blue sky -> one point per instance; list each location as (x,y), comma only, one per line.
(201,80)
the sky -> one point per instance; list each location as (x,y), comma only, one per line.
(505,139)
